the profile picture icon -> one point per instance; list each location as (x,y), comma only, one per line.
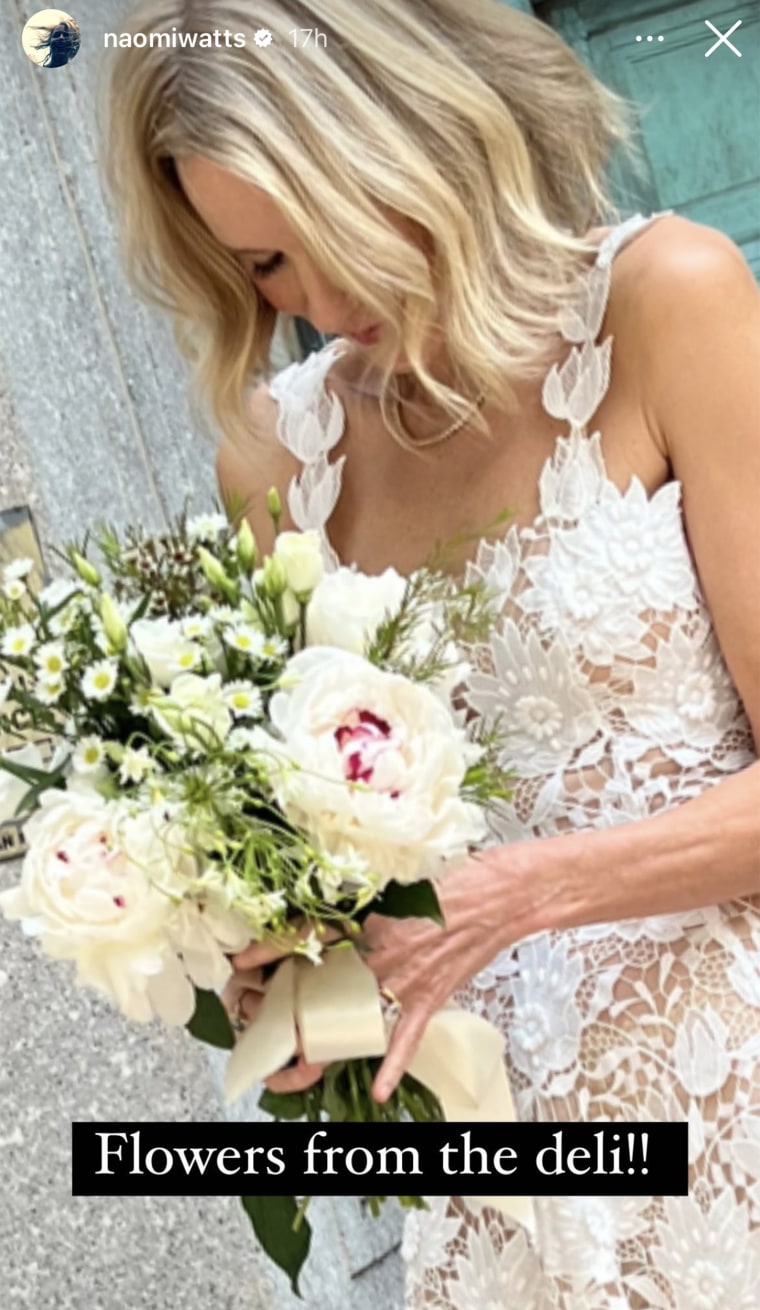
(51,38)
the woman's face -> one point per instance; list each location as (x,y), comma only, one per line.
(245,220)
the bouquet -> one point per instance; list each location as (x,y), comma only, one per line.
(242,747)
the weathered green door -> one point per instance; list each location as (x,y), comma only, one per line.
(700,114)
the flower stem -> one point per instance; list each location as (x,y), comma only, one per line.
(301,1213)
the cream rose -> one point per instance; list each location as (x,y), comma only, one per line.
(102,886)
(161,643)
(379,763)
(301,557)
(348,607)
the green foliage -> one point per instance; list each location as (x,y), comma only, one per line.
(283,1233)
(415,900)
(210,1022)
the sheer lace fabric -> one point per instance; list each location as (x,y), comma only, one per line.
(607,672)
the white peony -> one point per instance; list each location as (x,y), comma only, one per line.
(301,556)
(379,763)
(348,607)
(164,646)
(193,708)
(102,885)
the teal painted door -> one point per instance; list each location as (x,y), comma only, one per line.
(700,115)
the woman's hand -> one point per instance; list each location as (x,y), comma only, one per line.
(422,964)
(243,995)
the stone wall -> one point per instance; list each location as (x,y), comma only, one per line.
(93,423)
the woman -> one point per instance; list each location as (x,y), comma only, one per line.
(438,170)
(61,43)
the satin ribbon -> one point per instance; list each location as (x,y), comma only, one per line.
(335,1008)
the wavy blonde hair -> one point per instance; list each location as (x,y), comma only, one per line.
(475,121)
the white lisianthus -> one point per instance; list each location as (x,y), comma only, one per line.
(164,647)
(301,555)
(88,756)
(14,588)
(207,527)
(379,763)
(243,698)
(18,568)
(291,610)
(51,660)
(193,708)
(19,641)
(348,607)
(136,764)
(102,885)
(99,680)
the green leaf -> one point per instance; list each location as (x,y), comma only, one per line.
(272,1218)
(33,777)
(210,1023)
(416,900)
(142,608)
(283,1105)
(335,1104)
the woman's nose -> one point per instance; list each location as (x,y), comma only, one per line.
(327,310)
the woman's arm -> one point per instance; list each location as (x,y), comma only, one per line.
(694,307)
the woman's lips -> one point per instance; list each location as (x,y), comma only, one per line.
(366,338)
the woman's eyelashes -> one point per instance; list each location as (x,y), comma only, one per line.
(264,270)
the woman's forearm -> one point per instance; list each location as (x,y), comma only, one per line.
(700,853)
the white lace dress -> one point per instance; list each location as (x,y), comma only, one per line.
(606,667)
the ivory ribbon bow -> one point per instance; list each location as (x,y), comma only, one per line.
(335,1009)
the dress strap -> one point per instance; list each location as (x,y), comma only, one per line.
(310,422)
(574,391)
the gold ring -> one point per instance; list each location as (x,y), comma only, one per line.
(237,1021)
(390,996)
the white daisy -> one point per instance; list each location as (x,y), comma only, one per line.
(14,589)
(243,699)
(196,626)
(223,614)
(100,679)
(206,527)
(273,648)
(18,568)
(186,658)
(135,764)
(49,691)
(65,619)
(51,660)
(245,638)
(19,641)
(243,739)
(88,755)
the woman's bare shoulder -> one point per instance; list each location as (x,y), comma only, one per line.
(247,468)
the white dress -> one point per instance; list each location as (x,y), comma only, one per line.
(607,669)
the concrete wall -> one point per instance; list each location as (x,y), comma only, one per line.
(93,422)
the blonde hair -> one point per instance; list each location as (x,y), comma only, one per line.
(476,121)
